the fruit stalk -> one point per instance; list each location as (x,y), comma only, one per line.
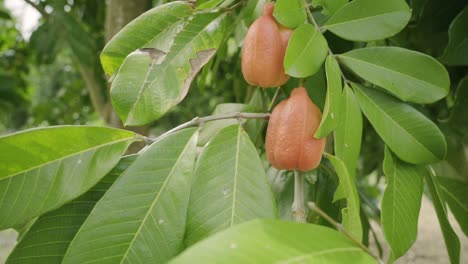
(298,208)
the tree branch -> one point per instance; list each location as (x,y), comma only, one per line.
(340,228)
(94,88)
(319,29)
(200,120)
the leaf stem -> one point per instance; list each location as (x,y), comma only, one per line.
(273,101)
(311,17)
(321,30)
(298,209)
(341,229)
(201,120)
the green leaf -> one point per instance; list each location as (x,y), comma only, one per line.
(459,110)
(409,75)
(49,237)
(141,219)
(306,52)
(316,86)
(329,7)
(351,215)
(149,30)
(401,203)
(290,13)
(409,134)
(274,241)
(149,82)
(348,136)
(252,10)
(456,52)
(44,41)
(44,168)
(77,37)
(229,187)
(209,4)
(366,20)
(209,129)
(455,194)
(452,242)
(331,112)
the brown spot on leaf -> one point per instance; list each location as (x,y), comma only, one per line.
(156,55)
(196,64)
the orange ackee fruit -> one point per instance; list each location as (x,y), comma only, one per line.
(290,142)
(263,51)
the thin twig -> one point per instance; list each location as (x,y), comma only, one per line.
(340,228)
(321,30)
(298,209)
(272,104)
(200,120)
(311,17)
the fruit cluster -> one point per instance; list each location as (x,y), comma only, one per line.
(290,142)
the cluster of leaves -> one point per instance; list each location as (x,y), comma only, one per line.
(190,195)
(46,71)
(13,72)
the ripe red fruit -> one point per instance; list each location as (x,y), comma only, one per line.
(290,142)
(263,51)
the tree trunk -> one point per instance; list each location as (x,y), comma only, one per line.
(118,14)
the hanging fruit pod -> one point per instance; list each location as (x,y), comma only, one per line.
(263,51)
(290,142)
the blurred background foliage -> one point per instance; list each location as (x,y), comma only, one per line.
(54,77)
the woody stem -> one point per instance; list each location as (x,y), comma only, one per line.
(298,208)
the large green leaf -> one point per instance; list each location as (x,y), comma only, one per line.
(331,111)
(348,135)
(329,7)
(306,52)
(401,203)
(230,186)
(44,168)
(456,52)
(150,30)
(141,219)
(49,237)
(455,194)
(410,75)
(409,134)
(366,20)
(452,242)
(149,82)
(459,110)
(290,13)
(351,215)
(274,241)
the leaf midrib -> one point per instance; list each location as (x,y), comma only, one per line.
(161,190)
(297,259)
(66,157)
(364,18)
(398,125)
(234,191)
(393,71)
(309,42)
(454,198)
